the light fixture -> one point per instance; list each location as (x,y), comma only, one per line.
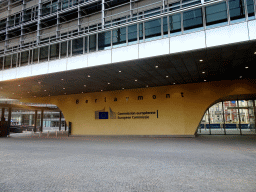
(246,67)
(12,93)
(255,53)
(136,80)
(122,88)
(44,90)
(203,72)
(109,83)
(28,92)
(241,77)
(62,79)
(82,92)
(89,76)
(166,76)
(173,83)
(101,90)
(120,71)
(146,85)
(39,82)
(64,88)
(204,80)
(34,96)
(49,95)
(156,66)
(201,60)
(84,85)
(18,85)
(65,93)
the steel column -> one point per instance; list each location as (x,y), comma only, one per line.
(9,120)
(42,120)
(239,117)
(224,120)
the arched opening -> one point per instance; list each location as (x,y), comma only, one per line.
(230,115)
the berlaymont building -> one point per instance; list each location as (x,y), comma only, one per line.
(133,67)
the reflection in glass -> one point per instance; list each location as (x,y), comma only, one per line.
(14,60)
(54,51)
(192,19)
(35,55)
(63,52)
(250,8)
(119,36)
(77,46)
(165,26)
(92,43)
(236,9)
(1,63)
(132,33)
(104,40)
(8,62)
(216,14)
(43,54)
(24,58)
(153,28)
(175,23)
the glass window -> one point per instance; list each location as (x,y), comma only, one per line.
(35,55)
(141,31)
(54,51)
(46,9)
(165,26)
(152,12)
(43,54)
(216,14)
(63,51)
(153,28)
(186,3)
(119,36)
(85,44)
(92,43)
(77,46)
(236,9)
(54,6)
(250,8)
(69,48)
(24,58)
(27,15)
(132,33)
(17,19)
(104,40)
(14,60)
(192,19)
(175,23)
(11,21)
(1,63)
(64,4)
(8,62)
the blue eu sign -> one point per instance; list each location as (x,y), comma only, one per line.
(103,115)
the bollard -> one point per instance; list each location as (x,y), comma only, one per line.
(56,134)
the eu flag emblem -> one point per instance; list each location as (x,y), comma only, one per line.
(103,115)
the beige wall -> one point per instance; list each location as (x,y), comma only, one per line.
(177,115)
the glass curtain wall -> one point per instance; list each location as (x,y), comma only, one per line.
(229,117)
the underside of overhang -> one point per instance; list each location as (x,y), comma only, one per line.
(229,62)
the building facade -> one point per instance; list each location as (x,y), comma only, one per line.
(138,61)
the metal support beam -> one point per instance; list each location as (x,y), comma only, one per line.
(35,121)
(103,13)
(60,122)
(2,117)
(42,120)
(9,120)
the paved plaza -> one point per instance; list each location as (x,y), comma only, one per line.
(205,163)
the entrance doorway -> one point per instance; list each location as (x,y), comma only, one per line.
(229,117)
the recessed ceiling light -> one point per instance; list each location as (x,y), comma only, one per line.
(28,92)
(21,97)
(156,66)
(62,79)
(201,60)
(173,83)
(64,88)
(18,85)
(34,96)
(255,53)
(12,93)
(65,93)
(44,90)
(82,92)
(203,72)
(241,77)
(101,90)
(120,71)
(89,76)
(122,88)
(167,76)
(39,82)
(246,67)
(146,85)
(204,80)
(109,83)
(84,85)
(49,95)
(136,80)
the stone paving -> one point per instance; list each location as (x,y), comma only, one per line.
(204,163)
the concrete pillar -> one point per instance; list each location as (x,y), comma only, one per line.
(42,120)
(60,122)
(35,121)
